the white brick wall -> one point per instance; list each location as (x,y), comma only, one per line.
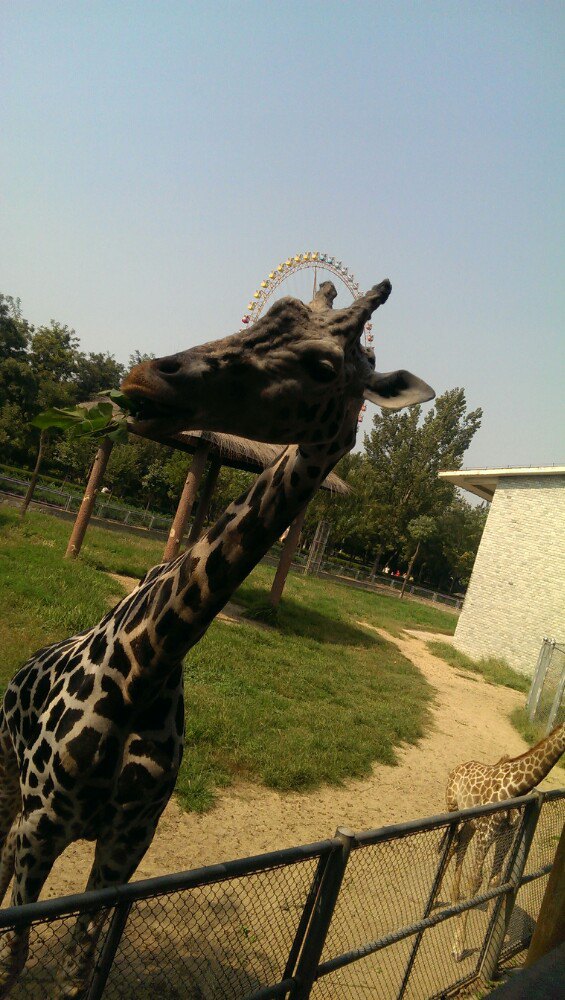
(517,591)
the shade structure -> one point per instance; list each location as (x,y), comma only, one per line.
(217,449)
(239,453)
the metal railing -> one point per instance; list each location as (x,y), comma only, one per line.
(69,500)
(363,576)
(359,915)
(546,701)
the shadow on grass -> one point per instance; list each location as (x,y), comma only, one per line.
(294,618)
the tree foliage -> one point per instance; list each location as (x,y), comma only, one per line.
(394,484)
(43,368)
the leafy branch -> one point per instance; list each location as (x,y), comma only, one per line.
(102,419)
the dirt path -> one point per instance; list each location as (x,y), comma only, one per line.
(470,721)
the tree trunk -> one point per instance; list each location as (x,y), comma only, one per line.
(288,550)
(409,570)
(186,501)
(375,566)
(34,476)
(205,499)
(89,498)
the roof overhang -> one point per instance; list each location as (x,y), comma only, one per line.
(483,482)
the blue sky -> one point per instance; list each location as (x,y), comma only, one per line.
(159,159)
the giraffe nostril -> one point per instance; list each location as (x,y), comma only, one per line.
(169,366)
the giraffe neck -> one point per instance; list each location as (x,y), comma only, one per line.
(183,597)
(526,771)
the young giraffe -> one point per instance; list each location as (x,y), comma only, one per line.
(473,784)
(92,727)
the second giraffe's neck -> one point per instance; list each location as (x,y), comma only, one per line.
(526,771)
(189,592)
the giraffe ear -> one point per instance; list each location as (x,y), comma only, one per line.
(394,390)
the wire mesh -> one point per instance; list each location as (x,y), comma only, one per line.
(387,887)
(50,948)
(530,894)
(546,701)
(225,938)
(218,941)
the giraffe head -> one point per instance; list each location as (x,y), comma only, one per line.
(299,375)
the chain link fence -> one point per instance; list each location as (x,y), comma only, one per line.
(364,577)
(546,700)
(366,915)
(51,496)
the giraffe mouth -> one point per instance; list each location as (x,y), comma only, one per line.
(145,408)
(149,414)
(151,417)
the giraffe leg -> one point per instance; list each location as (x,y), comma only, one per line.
(150,767)
(458,949)
(37,845)
(8,856)
(502,846)
(460,844)
(10,806)
(115,861)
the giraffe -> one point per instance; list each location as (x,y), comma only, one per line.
(91,730)
(473,784)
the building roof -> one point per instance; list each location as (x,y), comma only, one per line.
(483,482)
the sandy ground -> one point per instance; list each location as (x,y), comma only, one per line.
(470,722)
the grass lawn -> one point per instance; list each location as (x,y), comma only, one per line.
(316,699)
(493,670)
(322,603)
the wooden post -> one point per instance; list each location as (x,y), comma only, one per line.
(204,502)
(549,931)
(186,501)
(89,498)
(288,550)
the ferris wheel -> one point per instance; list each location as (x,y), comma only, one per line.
(292,275)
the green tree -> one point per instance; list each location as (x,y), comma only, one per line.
(74,456)
(54,357)
(419,530)
(405,455)
(449,556)
(94,373)
(18,383)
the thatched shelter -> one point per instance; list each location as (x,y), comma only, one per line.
(210,450)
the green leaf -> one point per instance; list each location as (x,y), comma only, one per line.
(120,399)
(120,434)
(56,417)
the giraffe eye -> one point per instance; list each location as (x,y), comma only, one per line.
(320,369)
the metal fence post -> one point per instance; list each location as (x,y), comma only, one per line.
(108,952)
(556,702)
(539,677)
(436,885)
(315,937)
(504,905)
(305,917)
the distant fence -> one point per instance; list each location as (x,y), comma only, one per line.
(355,916)
(546,700)
(51,496)
(363,576)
